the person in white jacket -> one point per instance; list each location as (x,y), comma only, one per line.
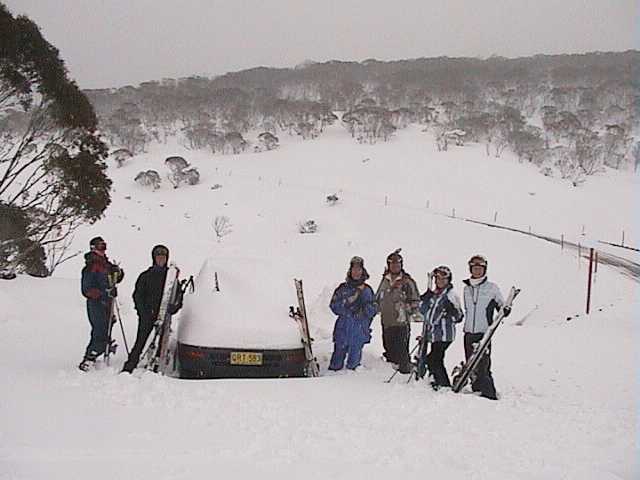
(482,299)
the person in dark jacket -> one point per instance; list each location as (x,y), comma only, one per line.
(397,299)
(147,297)
(353,302)
(99,277)
(482,299)
(441,309)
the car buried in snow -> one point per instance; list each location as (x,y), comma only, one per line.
(235,324)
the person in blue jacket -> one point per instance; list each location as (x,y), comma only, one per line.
(353,302)
(441,309)
(99,277)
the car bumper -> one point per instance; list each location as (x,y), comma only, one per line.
(196,362)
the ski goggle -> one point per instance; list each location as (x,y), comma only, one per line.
(442,272)
(102,246)
(161,252)
(478,264)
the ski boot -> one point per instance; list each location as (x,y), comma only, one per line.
(87,364)
(113,347)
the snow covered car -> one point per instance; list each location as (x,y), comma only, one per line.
(236,324)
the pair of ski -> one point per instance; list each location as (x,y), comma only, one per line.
(156,355)
(464,372)
(299,314)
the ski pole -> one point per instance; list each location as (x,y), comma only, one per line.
(397,370)
(124,338)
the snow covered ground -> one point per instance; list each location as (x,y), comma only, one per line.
(569,392)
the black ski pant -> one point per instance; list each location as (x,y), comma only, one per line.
(483,381)
(396,344)
(435,364)
(144,330)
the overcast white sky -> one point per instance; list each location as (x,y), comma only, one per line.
(108,43)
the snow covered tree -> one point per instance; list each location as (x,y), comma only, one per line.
(52,168)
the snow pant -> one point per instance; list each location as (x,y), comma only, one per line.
(483,381)
(435,364)
(352,352)
(396,343)
(142,335)
(98,312)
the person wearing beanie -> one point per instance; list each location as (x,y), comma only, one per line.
(481,299)
(353,303)
(97,284)
(147,297)
(397,299)
(441,309)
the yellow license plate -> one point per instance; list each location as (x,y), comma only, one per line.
(246,358)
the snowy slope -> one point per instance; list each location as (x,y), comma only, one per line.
(568,406)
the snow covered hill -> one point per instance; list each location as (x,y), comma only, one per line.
(568,406)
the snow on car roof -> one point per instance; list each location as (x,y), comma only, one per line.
(249,311)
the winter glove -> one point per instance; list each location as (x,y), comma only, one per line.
(506,310)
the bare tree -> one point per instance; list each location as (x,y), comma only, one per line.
(222,226)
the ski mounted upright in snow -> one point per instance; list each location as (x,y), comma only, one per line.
(463,372)
(299,314)
(156,356)
(112,346)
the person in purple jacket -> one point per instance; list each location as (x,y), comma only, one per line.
(353,302)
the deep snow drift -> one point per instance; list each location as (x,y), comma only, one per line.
(568,406)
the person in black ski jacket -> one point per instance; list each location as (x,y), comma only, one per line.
(147,297)
(99,277)
(482,299)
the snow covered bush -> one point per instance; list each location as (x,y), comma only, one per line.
(268,140)
(308,226)
(150,178)
(191,176)
(120,156)
(332,199)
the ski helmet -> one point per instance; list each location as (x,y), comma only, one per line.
(97,243)
(394,257)
(478,260)
(357,261)
(443,271)
(159,250)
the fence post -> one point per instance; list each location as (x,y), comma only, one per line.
(579,251)
(495,217)
(622,238)
(386,201)
(589,280)
(562,242)
(595,263)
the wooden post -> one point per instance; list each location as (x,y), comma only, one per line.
(589,280)
(453,213)
(582,229)
(579,251)
(622,238)
(529,228)
(562,242)
(428,204)
(495,217)
(386,201)
(595,265)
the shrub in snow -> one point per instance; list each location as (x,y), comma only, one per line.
(120,156)
(191,176)
(268,140)
(176,164)
(216,186)
(222,226)
(150,178)
(308,226)
(332,199)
